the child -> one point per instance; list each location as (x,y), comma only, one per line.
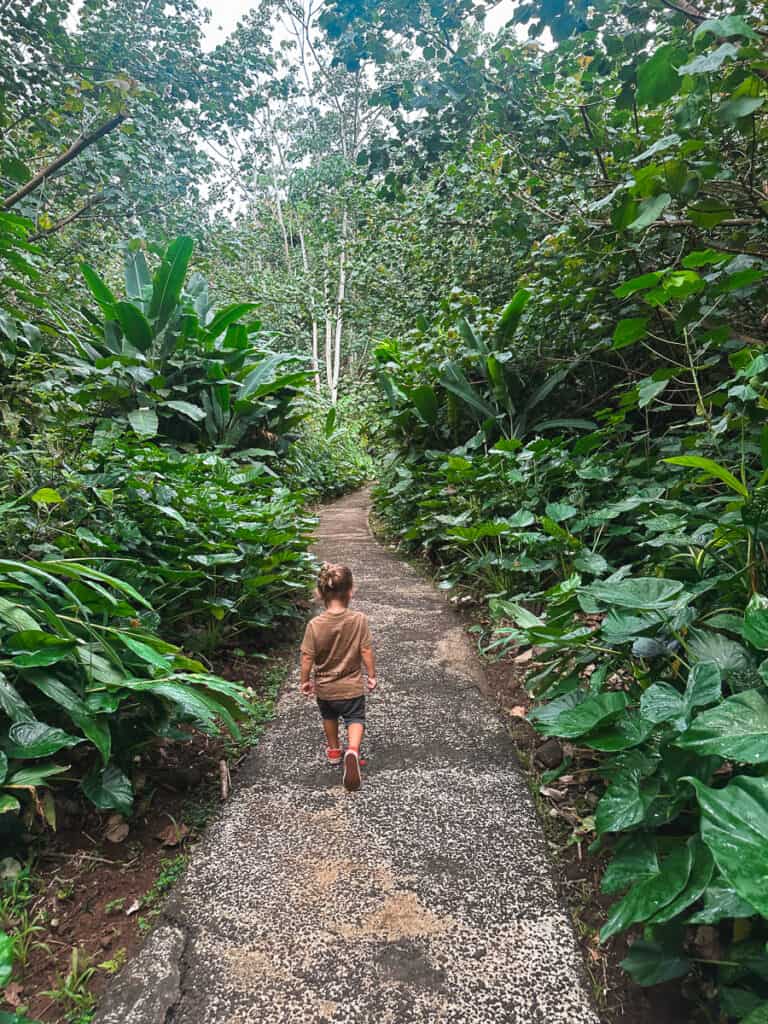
(337,643)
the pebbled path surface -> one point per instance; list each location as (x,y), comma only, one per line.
(426,898)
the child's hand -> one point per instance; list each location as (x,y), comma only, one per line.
(371,682)
(307,688)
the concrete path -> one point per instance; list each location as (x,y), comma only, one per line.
(426,898)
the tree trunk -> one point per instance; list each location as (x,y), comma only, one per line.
(328,334)
(313,313)
(340,307)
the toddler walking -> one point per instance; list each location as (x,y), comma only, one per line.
(336,644)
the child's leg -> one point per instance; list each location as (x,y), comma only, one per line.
(331,729)
(355,732)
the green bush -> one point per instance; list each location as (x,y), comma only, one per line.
(219,546)
(84,686)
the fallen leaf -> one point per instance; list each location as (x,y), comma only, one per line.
(173,835)
(525,656)
(13,993)
(134,907)
(116,828)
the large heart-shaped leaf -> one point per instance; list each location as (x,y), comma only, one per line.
(644,593)
(651,895)
(737,729)
(109,790)
(755,628)
(701,874)
(661,702)
(634,859)
(734,825)
(144,422)
(628,797)
(587,715)
(650,963)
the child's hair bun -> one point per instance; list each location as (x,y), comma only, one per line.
(334,581)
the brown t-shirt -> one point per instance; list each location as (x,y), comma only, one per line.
(335,642)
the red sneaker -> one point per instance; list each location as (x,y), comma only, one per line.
(352,777)
(334,756)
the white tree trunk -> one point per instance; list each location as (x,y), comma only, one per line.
(328,334)
(312,311)
(340,307)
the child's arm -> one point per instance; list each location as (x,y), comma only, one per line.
(370,666)
(306,685)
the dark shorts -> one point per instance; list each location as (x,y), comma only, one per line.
(352,710)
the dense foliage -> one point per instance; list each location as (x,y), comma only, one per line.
(523,264)
(580,442)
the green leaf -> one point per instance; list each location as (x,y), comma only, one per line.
(638,284)
(650,895)
(629,331)
(229,315)
(728,655)
(723,28)
(143,650)
(634,859)
(12,703)
(455,381)
(657,77)
(587,715)
(629,795)
(641,592)
(9,804)
(703,258)
(736,729)
(6,958)
(649,963)
(708,213)
(701,875)
(559,511)
(705,63)
(99,290)
(36,739)
(109,790)
(742,106)
(192,412)
(710,468)
(169,279)
(425,400)
(661,702)
(734,825)
(47,496)
(758,1016)
(511,314)
(755,628)
(144,422)
(135,326)
(35,775)
(721,901)
(330,422)
(95,729)
(137,277)
(648,389)
(650,211)
(628,731)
